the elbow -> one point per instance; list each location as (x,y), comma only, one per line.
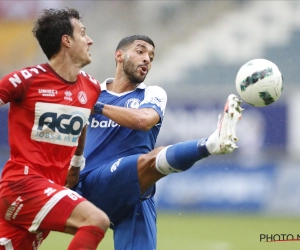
(145,129)
(143,125)
(145,121)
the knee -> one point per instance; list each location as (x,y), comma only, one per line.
(87,214)
(99,219)
(150,158)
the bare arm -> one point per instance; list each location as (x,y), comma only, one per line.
(73,173)
(143,118)
(137,119)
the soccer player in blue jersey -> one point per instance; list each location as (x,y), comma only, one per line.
(122,163)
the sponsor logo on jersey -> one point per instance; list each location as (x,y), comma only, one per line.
(48,92)
(68,95)
(103,124)
(38,241)
(58,124)
(14,209)
(133,103)
(82,97)
(115,165)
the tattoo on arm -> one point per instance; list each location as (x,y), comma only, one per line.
(81,142)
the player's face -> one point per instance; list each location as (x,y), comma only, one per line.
(80,45)
(137,61)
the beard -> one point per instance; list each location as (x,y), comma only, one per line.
(131,72)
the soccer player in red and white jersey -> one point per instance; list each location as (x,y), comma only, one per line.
(49,107)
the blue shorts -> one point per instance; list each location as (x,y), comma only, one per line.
(137,230)
(114,188)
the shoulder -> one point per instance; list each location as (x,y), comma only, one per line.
(155,95)
(104,84)
(155,91)
(25,74)
(14,86)
(155,88)
(89,79)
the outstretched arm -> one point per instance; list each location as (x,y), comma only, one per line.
(137,119)
(149,113)
(73,173)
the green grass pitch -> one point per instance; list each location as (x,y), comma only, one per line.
(206,232)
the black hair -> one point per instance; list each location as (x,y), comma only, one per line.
(126,41)
(51,25)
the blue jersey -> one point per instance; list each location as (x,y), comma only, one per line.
(110,178)
(107,141)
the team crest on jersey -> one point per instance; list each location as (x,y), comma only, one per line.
(68,96)
(133,103)
(82,97)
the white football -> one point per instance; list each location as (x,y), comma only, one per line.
(259,82)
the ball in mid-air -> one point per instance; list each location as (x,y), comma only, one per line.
(259,82)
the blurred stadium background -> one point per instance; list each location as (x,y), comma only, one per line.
(200,46)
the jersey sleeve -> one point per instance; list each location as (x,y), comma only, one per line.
(155,98)
(12,88)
